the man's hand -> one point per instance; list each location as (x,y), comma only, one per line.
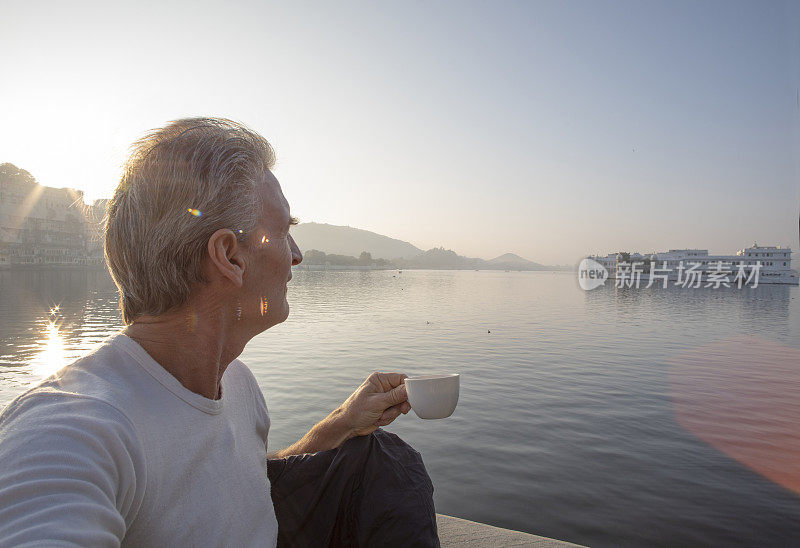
(377,402)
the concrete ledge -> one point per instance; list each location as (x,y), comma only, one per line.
(462,532)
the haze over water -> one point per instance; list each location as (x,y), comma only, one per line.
(592,416)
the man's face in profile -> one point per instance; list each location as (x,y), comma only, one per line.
(271,252)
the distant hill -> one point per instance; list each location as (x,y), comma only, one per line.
(345,240)
(441,258)
(343,245)
(510,261)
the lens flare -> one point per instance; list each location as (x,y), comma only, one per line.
(264,240)
(740,397)
(264,306)
(195,212)
(191,321)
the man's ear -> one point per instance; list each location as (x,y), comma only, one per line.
(226,255)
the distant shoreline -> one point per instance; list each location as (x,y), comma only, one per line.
(312,267)
(51,267)
(322,267)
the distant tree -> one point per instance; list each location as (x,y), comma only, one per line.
(313,256)
(11,173)
(341,260)
(365,259)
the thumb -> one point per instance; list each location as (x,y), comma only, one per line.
(396,396)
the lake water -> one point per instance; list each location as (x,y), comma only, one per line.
(612,417)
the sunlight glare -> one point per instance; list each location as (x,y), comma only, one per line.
(52,356)
(27,205)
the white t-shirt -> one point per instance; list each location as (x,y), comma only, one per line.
(113,450)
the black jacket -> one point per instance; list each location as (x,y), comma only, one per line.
(372,491)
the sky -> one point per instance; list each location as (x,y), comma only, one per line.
(547,129)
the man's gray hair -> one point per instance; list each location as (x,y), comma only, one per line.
(181,183)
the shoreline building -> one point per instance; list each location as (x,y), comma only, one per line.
(773,263)
(41,225)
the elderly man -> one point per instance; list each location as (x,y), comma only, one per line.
(158,437)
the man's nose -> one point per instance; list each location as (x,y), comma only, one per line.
(297,257)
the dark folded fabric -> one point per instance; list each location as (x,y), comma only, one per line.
(372,491)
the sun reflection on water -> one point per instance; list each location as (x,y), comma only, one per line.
(53,355)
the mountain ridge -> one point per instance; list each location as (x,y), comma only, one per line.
(347,240)
(327,242)
(514,261)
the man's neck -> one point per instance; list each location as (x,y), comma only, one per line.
(194,345)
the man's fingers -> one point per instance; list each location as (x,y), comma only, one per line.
(389,415)
(396,396)
(387,381)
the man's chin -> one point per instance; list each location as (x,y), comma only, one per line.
(272,318)
(286,313)
(282,313)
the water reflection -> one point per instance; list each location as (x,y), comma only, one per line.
(48,319)
(598,417)
(764,309)
(53,354)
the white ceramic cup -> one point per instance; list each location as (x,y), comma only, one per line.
(433,396)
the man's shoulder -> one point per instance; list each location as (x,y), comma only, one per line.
(242,375)
(75,449)
(90,385)
(238,369)
(239,373)
(43,419)
(44,406)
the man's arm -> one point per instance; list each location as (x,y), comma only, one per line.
(377,402)
(67,472)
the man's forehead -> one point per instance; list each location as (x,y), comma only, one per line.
(276,207)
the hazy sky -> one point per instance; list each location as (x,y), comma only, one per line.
(548,129)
